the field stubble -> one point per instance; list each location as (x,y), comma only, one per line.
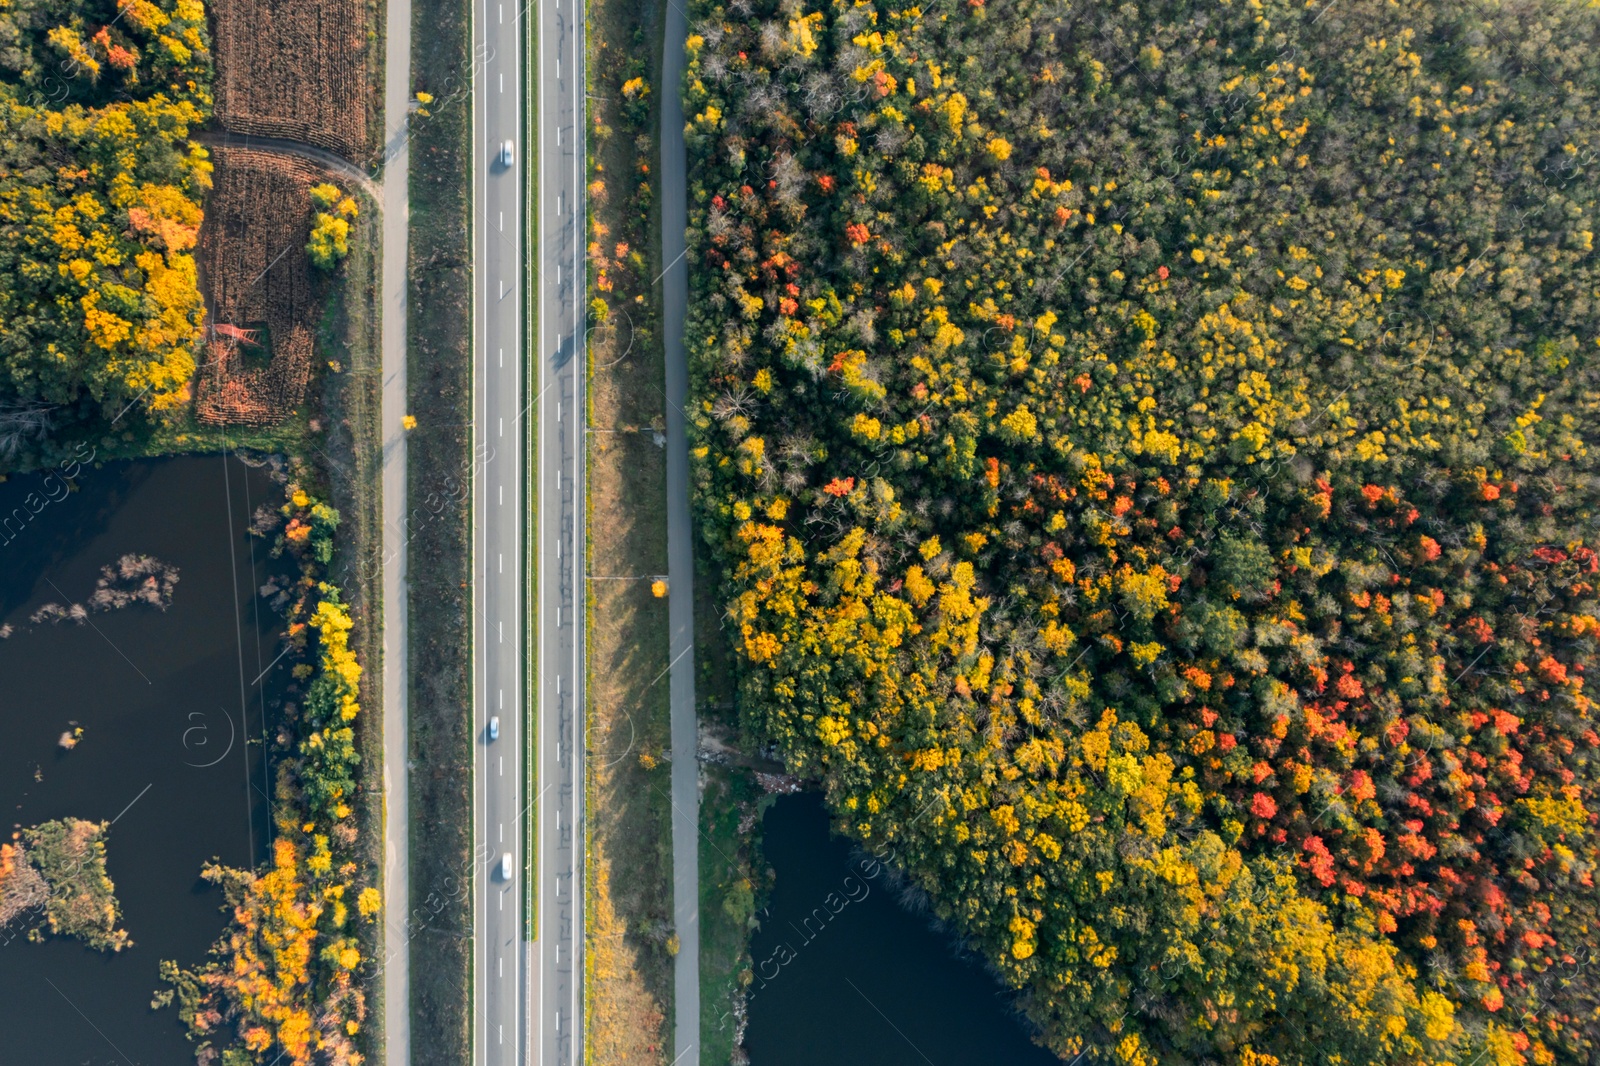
(297,70)
(256,277)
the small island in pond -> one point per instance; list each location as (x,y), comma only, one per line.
(54,875)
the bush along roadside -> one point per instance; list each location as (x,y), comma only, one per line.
(622,198)
(285,981)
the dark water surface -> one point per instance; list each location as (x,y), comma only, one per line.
(172,717)
(844,976)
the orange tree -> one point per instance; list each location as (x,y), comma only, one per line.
(1150,454)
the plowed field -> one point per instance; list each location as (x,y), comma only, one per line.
(295,69)
(256,276)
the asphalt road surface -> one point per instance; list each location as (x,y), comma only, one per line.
(680,559)
(559,352)
(396,733)
(499,513)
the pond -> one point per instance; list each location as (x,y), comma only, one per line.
(845,975)
(173,706)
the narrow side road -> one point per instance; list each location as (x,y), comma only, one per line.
(338,164)
(680,555)
(396,728)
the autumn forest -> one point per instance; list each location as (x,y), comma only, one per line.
(1147,453)
(100,192)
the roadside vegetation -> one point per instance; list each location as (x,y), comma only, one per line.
(1150,452)
(441,466)
(630,935)
(734,877)
(734,885)
(330,229)
(350,461)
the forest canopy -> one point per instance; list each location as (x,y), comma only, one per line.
(1148,449)
(99,210)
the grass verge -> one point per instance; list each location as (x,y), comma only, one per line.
(439,369)
(630,937)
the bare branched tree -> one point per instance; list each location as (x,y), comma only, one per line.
(791,178)
(20,424)
(731,404)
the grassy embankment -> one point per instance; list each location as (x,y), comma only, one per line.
(351,457)
(630,937)
(438,538)
(352,451)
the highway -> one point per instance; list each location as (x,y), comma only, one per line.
(529,409)
(561,545)
(499,511)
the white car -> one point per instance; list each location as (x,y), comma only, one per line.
(508,153)
(505,867)
(494,728)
